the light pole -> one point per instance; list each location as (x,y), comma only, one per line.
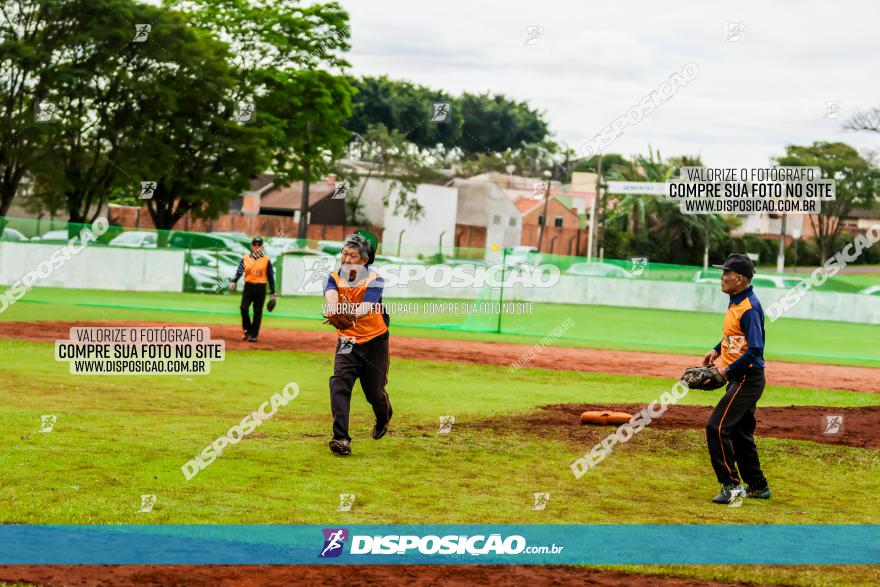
(547,178)
(780,257)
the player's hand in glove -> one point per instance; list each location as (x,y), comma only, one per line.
(340,321)
(707,378)
(710,358)
(271,305)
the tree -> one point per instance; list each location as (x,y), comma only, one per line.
(406,108)
(280,49)
(91,90)
(32,34)
(530,160)
(675,236)
(157,111)
(477,123)
(857,184)
(496,123)
(388,155)
(868,120)
(307,112)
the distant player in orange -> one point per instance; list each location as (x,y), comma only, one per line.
(353,304)
(258,271)
(730,429)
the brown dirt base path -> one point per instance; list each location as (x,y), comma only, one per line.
(795,422)
(335,576)
(493,353)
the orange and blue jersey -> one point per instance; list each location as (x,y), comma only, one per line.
(367,289)
(257,268)
(742,342)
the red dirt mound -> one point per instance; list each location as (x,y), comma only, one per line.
(795,422)
(333,576)
(494,353)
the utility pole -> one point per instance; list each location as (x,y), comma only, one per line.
(304,201)
(780,257)
(548,176)
(600,223)
(706,250)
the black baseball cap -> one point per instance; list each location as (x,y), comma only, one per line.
(257,241)
(738,263)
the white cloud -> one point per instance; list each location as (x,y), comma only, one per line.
(595,60)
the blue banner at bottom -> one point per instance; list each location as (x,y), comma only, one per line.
(440,544)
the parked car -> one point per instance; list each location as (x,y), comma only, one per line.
(776,281)
(53,236)
(199,240)
(205,270)
(710,276)
(874,290)
(10,234)
(597,270)
(522,255)
(237,236)
(390,259)
(759,280)
(332,247)
(135,239)
(473,262)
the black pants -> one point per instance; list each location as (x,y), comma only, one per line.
(730,429)
(369,363)
(254,293)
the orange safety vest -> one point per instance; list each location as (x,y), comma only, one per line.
(367,327)
(256,270)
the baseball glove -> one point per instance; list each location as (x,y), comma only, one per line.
(707,378)
(340,321)
(271,305)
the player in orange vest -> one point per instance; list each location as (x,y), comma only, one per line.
(362,347)
(258,271)
(731,426)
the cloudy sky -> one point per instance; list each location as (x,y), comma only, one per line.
(757,90)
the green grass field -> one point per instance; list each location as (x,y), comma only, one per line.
(117,438)
(669,331)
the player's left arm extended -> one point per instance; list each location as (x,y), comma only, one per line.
(750,322)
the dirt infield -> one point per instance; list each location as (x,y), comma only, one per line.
(794,422)
(493,353)
(334,576)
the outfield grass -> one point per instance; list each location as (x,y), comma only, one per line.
(118,438)
(609,327)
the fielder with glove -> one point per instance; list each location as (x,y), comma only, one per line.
(353,306)
(730,428)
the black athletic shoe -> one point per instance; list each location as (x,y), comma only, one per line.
(252,339)
(340,447)
(759,493)
(379,432)
(245,335)
(729,491)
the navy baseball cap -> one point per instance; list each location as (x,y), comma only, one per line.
(257,241)
(738,263)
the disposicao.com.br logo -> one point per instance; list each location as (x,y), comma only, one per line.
(334,540)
